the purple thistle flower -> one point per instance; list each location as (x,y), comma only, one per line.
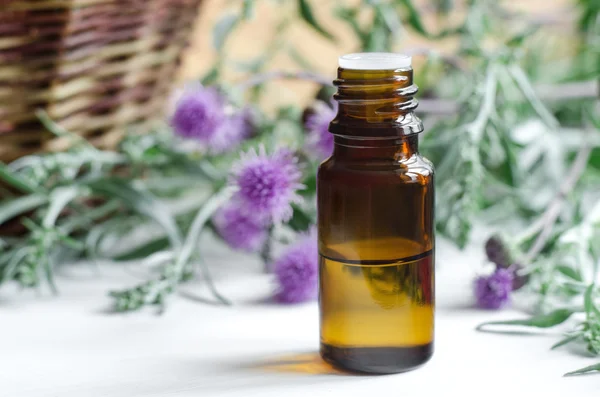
(199,112)
(498,253)
(239,230)
(493,292)
(297,272)
(318,139)
(203,114)
(231,132)
(268,184)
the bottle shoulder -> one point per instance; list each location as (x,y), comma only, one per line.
(414,164)
(415,169)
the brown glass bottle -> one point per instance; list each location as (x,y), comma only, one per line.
(376,225)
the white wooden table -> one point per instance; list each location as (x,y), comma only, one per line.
(68,346)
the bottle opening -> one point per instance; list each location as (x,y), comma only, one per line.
(374,61)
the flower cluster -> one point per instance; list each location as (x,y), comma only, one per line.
(296,272)
(239,230)
(268,184)
(266,189)
(204,115)
(493,291)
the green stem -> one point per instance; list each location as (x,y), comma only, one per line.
(13,262)
(91,216)
(546,222)
(21,205)
(59,199)
(476,128)
(17,181)
(191,241)
(59,131)
(527,89)
(265,253)
(205,213)
(211,284)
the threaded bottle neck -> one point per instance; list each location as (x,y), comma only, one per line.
(375,103)
(390,149)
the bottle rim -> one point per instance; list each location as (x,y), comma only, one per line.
(374,61)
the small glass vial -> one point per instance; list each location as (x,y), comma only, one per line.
(376,223)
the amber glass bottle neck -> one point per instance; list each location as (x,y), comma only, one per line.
(375,149)
(375,103)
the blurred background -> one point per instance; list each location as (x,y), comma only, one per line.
(92,67)
(295,45)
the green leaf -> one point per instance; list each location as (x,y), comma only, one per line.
(252,66)
(584,370)
(594,161)
(212,75)
(455,220)
(13,207)
(570,289)
(391,18)
(376,40)
(444,6)
(310,183)
(414,20)
(591,116)
(72,243)
(349,15)
(588,301)
(59,199)
(144,250)
(13,263)
(307,14)
(90,216)
(326,93)
(413,17)
(301,221)
(524,84)
(564,341)
(15,180)
(551,319)
(569,272)
(140,201)
(589,11)
(223,29)
(59,131)
(517,40)
(508,170)
(248,9)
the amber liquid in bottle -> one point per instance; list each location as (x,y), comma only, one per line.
(376,228)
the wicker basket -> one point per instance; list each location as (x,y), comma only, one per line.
(96,66)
